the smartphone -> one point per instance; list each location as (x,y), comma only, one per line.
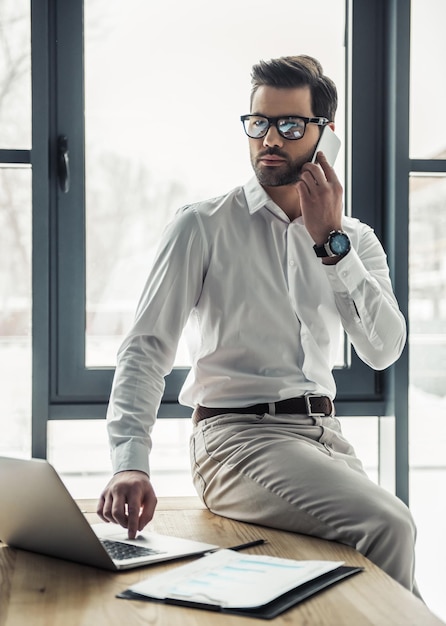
(329,144)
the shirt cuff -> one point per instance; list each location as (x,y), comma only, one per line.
(347,274)
(130,455)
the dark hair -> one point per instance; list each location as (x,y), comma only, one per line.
(298,71)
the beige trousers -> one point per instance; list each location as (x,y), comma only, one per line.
(299,474)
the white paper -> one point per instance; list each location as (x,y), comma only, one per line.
(233,580)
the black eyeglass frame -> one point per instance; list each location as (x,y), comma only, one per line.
(319,121)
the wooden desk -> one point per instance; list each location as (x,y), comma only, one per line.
(42,591)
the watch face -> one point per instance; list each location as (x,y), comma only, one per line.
(339,243)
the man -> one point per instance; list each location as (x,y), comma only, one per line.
(269,275)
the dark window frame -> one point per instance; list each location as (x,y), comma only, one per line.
(378,68)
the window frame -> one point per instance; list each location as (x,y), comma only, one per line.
(63,388)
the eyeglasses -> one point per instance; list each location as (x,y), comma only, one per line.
(290,127)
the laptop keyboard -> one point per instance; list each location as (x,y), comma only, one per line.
(120,551)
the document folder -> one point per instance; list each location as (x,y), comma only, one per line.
(252,585)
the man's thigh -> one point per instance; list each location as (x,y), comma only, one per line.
(289,472)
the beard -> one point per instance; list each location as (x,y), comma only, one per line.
(286,174)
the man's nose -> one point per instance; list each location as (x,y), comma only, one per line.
(272,137)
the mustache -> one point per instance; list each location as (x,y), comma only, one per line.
(272,151)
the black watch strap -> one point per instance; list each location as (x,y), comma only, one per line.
(323,251)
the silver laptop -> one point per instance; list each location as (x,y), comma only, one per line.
(37,513)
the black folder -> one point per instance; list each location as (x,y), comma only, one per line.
(266,611)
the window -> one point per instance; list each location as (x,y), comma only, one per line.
(98,232)
(428,91)
(138,172)
(15,227)
(171,133)
(427,290)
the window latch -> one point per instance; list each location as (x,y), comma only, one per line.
(63,163)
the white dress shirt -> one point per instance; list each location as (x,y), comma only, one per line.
(265,315)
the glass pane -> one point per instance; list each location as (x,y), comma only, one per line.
(15,311)
(146,63)
(86,475)
(427,377)
(362,433)
(427,274)
(427,85)
(15,74)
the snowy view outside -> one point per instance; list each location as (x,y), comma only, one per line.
(138,174)
(140,168)
(15,229)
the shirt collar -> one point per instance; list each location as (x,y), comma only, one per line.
(257,198)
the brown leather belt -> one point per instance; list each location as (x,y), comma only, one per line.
(314,406)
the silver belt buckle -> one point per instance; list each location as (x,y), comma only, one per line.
(312,413)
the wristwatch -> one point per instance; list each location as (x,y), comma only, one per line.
(338,244)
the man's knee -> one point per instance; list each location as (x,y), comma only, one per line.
(389,530)
(389,539)
(399,522)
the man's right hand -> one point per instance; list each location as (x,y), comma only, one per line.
(128,500)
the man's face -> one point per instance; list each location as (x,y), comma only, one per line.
(278,161)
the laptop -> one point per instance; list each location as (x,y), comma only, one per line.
(37,513)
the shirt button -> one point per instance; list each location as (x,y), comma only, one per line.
(292,262)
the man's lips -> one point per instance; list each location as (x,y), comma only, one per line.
(271,160)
